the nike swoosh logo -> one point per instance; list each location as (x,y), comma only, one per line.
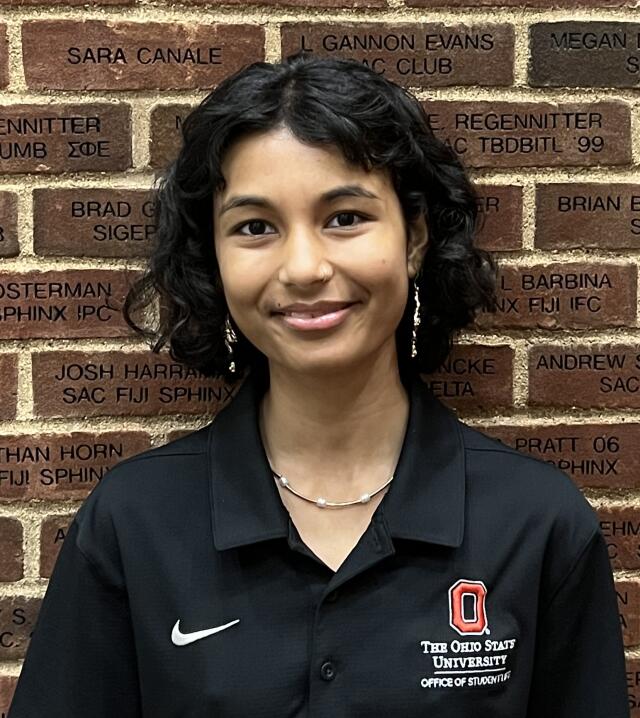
(182,639)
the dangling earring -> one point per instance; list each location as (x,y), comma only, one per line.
(416,319)
(230,338)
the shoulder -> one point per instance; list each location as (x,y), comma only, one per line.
(140,484)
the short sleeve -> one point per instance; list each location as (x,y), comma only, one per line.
(81,659)
(579,666)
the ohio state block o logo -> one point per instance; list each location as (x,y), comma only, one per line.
(468,622)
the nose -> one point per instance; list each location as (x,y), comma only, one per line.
(304,259)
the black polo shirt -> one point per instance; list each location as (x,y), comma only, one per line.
(481,589)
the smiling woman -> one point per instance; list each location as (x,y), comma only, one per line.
(335,542)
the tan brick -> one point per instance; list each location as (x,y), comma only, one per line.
(572,215)
(106,55)
(65,138)
(500,227)
(100,222)
(585,376)
(166,135)
(509,134)
(474,378)
(8,225)
(62,466)
(74,383)
(8,386)
(11,552)
(18,616)
(594,455)
(621,531)
(628,593)
(410,54)
(557,296)
(53,532)
(68,303)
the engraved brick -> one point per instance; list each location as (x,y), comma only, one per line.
(474,378)
(103,55)
(65,138)
(500,227)
(8,225)
(533,134)
(53,531)
(594,455)
(584,54)
(74,383)
(11,554)
(62,466)
(69,303)
(585,376)
(628,594)
(93,222)
(18,616)
(8,386)
(7,689)
(633,686)
(414,55)
(572,215)
(621,531)
(556,296)
(166,135)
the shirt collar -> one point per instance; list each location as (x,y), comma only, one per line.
(424,502)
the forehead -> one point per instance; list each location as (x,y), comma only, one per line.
(265,161)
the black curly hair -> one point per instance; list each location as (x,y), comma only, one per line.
(376,124)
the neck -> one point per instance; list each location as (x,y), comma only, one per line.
(338,435)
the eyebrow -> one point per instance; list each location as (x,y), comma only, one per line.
(347,190)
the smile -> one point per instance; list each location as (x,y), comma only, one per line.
(313,320)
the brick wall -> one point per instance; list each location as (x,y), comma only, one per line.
(541,104)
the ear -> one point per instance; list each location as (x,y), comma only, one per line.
(416,245)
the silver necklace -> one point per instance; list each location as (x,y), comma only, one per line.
(322,502)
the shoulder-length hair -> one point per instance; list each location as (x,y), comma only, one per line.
(376,124)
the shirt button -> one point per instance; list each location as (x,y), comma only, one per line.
(331,597)
(327,671)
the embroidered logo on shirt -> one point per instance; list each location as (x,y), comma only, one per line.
(468,663)
(181,639)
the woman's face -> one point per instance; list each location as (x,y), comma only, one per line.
(275,249)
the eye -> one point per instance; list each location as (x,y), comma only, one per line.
(260,224)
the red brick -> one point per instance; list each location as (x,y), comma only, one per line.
(475,378)
(166,135)
(628,593)
(53,531)
(413,54)
(100,222)
(594,455)
(106,55)
(75,383)
(572,215)
(4,56)
(69,303)
(65,138)
(8,225)
(11,553)
(585,376)
(500,223)
(18,616)
(488,134)
(556,296)
(7,689)
(8,386)
(62,466)
(621,530)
